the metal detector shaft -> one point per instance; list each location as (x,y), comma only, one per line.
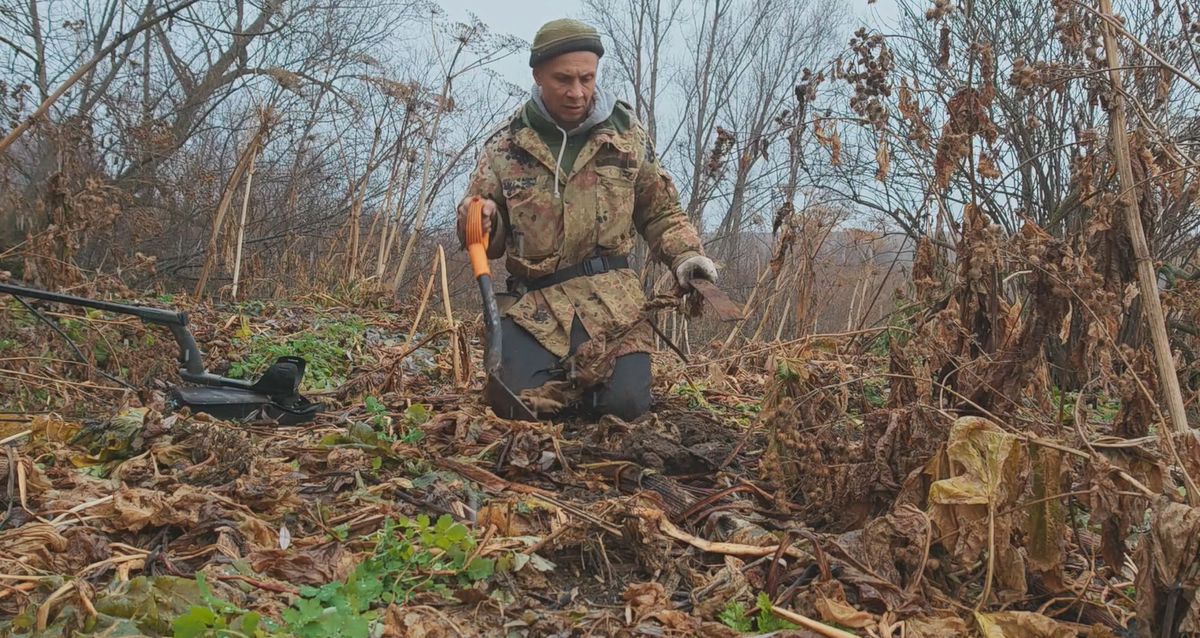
(149,315)
(190,358)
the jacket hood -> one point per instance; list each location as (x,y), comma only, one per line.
(603,103)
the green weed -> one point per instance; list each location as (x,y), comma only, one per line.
(216,618)
(734,617)
(410,556)
(324,348)
(414,416)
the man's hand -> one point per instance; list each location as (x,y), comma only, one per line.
(489,212)
(697,267)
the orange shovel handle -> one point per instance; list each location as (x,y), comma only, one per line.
(475,238)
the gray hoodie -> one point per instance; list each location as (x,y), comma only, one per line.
(601,108)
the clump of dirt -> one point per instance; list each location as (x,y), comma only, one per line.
(704,436)
(220,454)
(658,442)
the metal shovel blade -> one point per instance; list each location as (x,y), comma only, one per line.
(499,396)
(504,403)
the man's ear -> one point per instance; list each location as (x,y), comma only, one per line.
(537,75)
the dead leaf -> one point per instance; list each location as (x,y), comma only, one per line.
(831,604)
(84,547)
(1131,293)
(987,476)
(118,438)
(488,481)
(645,598)
(258,534)
(733,583)
(830,140)
(881,158)
(37,543)
(315,565)
(675,619)
(1046,517)
(1168,561)
(890,542)
(874,593)
(1064,330)
(136,508)
(1021,624)
(399,622)
(50,428)
(924,627)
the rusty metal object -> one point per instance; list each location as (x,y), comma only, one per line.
(726,310)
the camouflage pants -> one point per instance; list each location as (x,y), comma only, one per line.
(527,365)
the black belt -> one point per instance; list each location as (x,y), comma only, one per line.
(587,267)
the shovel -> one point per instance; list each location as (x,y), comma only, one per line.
(504,403)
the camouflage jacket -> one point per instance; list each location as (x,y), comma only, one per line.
(615,187)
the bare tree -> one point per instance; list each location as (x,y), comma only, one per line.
(640,33)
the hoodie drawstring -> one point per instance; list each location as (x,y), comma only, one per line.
(558,166)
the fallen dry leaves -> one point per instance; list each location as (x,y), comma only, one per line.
(872,494)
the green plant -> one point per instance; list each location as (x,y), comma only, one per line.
(768,622)
(339,609)
(377,410)
(21,317)
(73,328)
(693,395)
(875,391)
(414,416)
(410,556)
(734,617)
(412,549)
(216,618)
(325,348)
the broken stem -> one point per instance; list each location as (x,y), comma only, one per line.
(733,549)
(810,624)
(991,559)
(80,508)
(424,300)
(43,612)
(458,373)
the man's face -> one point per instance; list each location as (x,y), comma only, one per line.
(567,82)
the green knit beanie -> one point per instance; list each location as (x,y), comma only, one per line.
(563,36)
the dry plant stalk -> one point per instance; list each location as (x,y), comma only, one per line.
(423,197)
(424,300)
(810,624)
(383,213)
(1147,280)
(356,207)
(237,260)
(441,260)
(210,251)
(391,230)
(737,329)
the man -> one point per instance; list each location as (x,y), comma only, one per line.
(566,182)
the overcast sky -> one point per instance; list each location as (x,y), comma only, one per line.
(524,23)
